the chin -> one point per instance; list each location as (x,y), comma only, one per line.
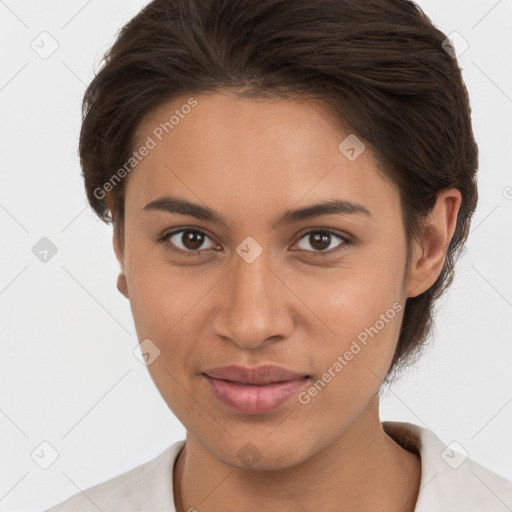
(268,452)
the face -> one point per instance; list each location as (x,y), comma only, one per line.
(240,279)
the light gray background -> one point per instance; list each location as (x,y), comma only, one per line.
(68,374)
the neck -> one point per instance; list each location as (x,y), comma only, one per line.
(363,469)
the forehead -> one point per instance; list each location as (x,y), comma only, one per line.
(236,152)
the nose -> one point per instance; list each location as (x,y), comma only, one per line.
(256,305)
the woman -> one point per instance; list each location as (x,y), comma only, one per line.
(290,184)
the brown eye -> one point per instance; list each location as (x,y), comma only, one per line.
(322,241)
(192,239)
(187,240)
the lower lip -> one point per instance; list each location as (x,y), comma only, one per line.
(251,399)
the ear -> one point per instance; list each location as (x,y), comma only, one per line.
(122,284)
(429,254)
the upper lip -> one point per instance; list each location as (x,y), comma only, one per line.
(265,374)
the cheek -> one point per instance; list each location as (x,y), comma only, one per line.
(160,295)
(168,307)
(344,301)
(164,313)
(358,354)
(353,362)
(356,321)
(167,316)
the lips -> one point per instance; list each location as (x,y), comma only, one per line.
(260,375)
(254,390)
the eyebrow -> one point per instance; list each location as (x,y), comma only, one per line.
(177,205)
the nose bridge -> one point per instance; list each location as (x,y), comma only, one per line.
(250,279)
(255,309)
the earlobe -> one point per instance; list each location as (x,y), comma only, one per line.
(122,285)
(429,255)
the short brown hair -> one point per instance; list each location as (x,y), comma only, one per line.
(381,65)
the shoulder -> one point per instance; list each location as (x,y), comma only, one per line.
(147,486)
(450,480)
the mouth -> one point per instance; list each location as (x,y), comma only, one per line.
(254,390)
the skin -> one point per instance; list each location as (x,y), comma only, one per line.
(251,160)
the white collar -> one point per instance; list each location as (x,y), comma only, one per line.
(450,481)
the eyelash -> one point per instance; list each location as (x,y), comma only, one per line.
(343,246)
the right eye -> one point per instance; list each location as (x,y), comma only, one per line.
(186,241)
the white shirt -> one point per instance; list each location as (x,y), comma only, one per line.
(450,482)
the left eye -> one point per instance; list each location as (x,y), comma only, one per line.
(321,240)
